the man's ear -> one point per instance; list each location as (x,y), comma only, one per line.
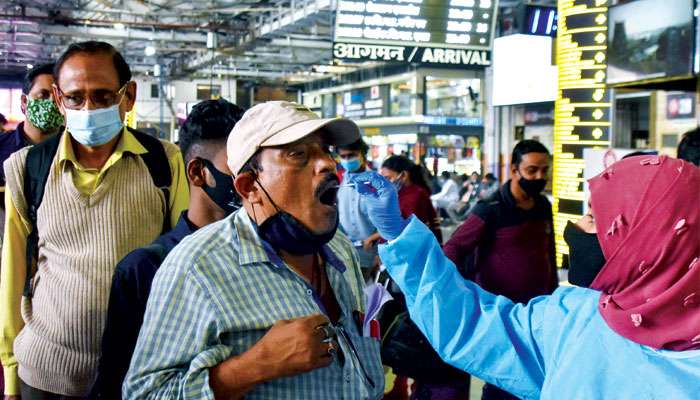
(196,173)
(56,99)
(246,188)
(130,94)
(23,103)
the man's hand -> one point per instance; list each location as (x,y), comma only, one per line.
(289,348)
(13,397)
(294,347)
(368,244)
(382,203)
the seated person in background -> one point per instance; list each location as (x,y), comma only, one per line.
(467,197)
(641,313)
(212,197)
(448,195)
(488,187)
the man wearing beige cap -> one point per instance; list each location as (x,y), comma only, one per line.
(267,303)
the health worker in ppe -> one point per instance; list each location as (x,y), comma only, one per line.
(634,334)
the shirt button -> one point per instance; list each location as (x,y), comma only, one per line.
(347,377)
(309,292)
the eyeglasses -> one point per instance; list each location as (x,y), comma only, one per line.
(355,360)
(100,98)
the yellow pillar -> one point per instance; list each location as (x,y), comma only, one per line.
(582,110)
(130,118)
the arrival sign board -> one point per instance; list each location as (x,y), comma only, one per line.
(436,32)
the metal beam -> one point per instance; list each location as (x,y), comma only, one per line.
(226,72)
(267,26)
(134,34)
(301,43)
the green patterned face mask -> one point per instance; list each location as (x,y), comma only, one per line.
(44,114)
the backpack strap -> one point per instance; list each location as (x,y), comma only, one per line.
(158,166)
(36,173)
(157,250)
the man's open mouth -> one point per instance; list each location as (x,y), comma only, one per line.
(329,195)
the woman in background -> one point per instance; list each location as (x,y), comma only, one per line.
(413,189)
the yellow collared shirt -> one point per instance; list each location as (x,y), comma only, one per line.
(13,265)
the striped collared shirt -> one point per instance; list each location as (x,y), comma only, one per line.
(218,293)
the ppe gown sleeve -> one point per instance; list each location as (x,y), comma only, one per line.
(486,335)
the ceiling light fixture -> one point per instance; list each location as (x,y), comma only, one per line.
(149,51)
(119,26)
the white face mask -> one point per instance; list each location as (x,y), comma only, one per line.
(94,127)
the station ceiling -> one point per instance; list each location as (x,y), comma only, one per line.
(268,40)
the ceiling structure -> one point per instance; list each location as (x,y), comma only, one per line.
(263,40)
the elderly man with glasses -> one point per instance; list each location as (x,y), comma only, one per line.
(76,204)
(267,303)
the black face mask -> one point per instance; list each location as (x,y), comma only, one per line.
(532,187)
(284,232)
(585,255)
(223,194)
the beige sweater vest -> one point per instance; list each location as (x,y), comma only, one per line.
(81,239)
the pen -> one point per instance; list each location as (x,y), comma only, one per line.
(354,184)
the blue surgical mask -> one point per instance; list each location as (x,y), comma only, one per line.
(94,127)
(351,164)
(398,183)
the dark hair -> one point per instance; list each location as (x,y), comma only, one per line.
(94,47)
(401,164)
(446,174)
(3,120)
(32,74)
(526,147)
(209,121)
(490,177)
(358,145)
(689,147)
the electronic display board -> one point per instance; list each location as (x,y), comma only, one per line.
(438,32)
(541,21)
(582,109)
(650,40)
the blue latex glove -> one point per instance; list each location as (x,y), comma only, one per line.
(382,203)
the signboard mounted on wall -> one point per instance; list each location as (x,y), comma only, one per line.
(371,102)
(680,106)
(431,32)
